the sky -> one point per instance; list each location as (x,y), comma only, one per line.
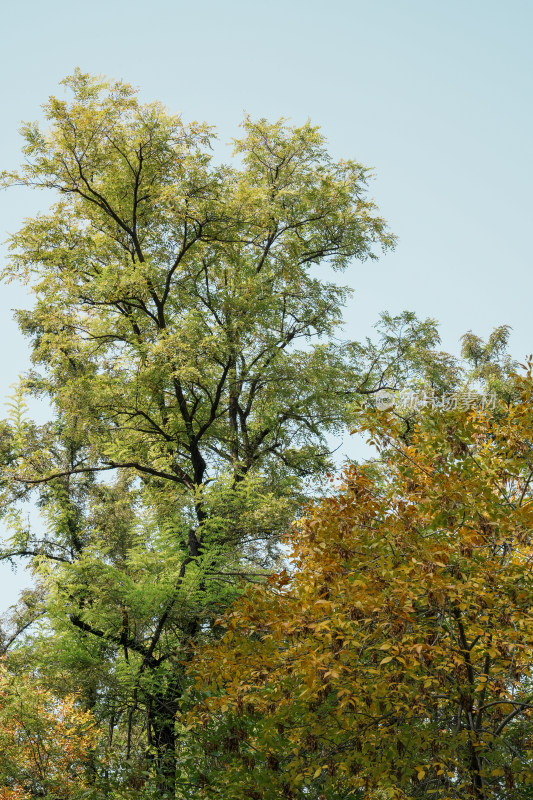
(435,96)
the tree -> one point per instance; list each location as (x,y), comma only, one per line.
(395,659)
(172,298)
(45,741)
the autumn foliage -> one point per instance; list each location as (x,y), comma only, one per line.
(45,742)
(395,659)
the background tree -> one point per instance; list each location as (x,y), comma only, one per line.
(45,741)
(396,659)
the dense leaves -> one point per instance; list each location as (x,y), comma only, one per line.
(395,660)
(184,344)
(186,348)
(45,742)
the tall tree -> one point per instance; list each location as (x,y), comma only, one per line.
(396,660)
(182,337)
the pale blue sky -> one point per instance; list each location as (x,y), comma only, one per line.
(436,96)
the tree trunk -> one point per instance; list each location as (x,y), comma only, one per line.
(162,739)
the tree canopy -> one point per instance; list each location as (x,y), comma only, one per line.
(184,342)
(45,742)
(395,658)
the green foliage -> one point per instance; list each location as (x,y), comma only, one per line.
(184,345)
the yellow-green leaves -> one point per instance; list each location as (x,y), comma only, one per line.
(172,293)
(172,298)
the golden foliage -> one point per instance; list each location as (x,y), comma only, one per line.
(45,741)
(397,657)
